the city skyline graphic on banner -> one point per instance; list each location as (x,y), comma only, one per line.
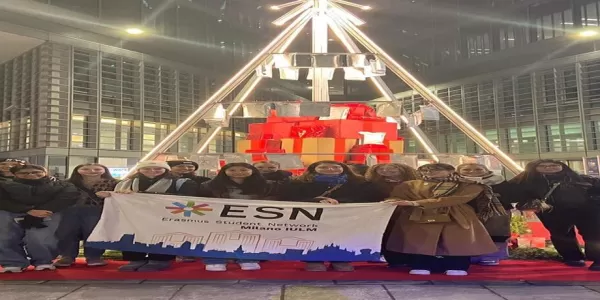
(240,245)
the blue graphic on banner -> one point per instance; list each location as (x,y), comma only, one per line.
(327,253)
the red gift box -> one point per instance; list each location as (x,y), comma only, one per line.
(315,149)
(260,131)
(268,145)
(260,154)
(359,111)
(349,129)
(300,132)
(370,149)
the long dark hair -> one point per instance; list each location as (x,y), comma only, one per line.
(77,179)
(309,174)
(532,176)
(256,184)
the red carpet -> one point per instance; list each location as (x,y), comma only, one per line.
(507,271)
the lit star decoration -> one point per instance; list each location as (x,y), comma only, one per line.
(188,209)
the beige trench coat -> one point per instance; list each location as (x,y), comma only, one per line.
(463,236)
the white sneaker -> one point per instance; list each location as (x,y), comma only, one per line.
(45,267)
(419,272)
(216,268)
(12,270)
(249,266)
(456,273)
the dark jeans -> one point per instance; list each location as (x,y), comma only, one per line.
(561,224)
(77,224)
(439,263)
(140,256)
(40,243)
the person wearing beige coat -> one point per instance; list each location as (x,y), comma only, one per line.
(437,223)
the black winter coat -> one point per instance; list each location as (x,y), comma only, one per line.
(364,192)
(45,194)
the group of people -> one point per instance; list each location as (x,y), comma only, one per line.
(446,217)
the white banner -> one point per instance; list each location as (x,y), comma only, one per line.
(241,229)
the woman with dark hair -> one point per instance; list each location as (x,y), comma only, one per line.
(437,225)
(79,221)
(333,183)
(236,181)
(271,170)
(386,177)
(565,200)
(507,193)
(153,177)
(30,211)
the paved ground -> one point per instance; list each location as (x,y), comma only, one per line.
(278,290)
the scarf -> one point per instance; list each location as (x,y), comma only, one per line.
(88,195)
(486,204)
(331,179)
(161,186)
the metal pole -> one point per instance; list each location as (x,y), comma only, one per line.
(320,40)
(444,109)
(237,102)
(385,91)
(242,96)
(229,86)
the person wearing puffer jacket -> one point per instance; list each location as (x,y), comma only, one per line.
(30,212)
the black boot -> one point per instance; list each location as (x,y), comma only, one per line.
(595,266)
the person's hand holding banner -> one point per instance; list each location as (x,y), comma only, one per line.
(400,202)
(328,200)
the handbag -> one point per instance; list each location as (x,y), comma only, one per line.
(429,216)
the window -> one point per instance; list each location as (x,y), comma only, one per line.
(78,131)
(570,85)
(528,142)
(573,137)
(589,15)
(108,134)
(554,143)
(507,38)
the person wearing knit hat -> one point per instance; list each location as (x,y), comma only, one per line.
(6,164)
(152,164)
(186,169)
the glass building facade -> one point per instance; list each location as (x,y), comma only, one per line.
(65,105)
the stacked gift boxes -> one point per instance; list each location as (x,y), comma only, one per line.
(315,139)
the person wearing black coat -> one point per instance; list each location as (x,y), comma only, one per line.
(187,169)
(30,212)
(333,183)
(153,177)
(569,201)
(237,181)
(271,170)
